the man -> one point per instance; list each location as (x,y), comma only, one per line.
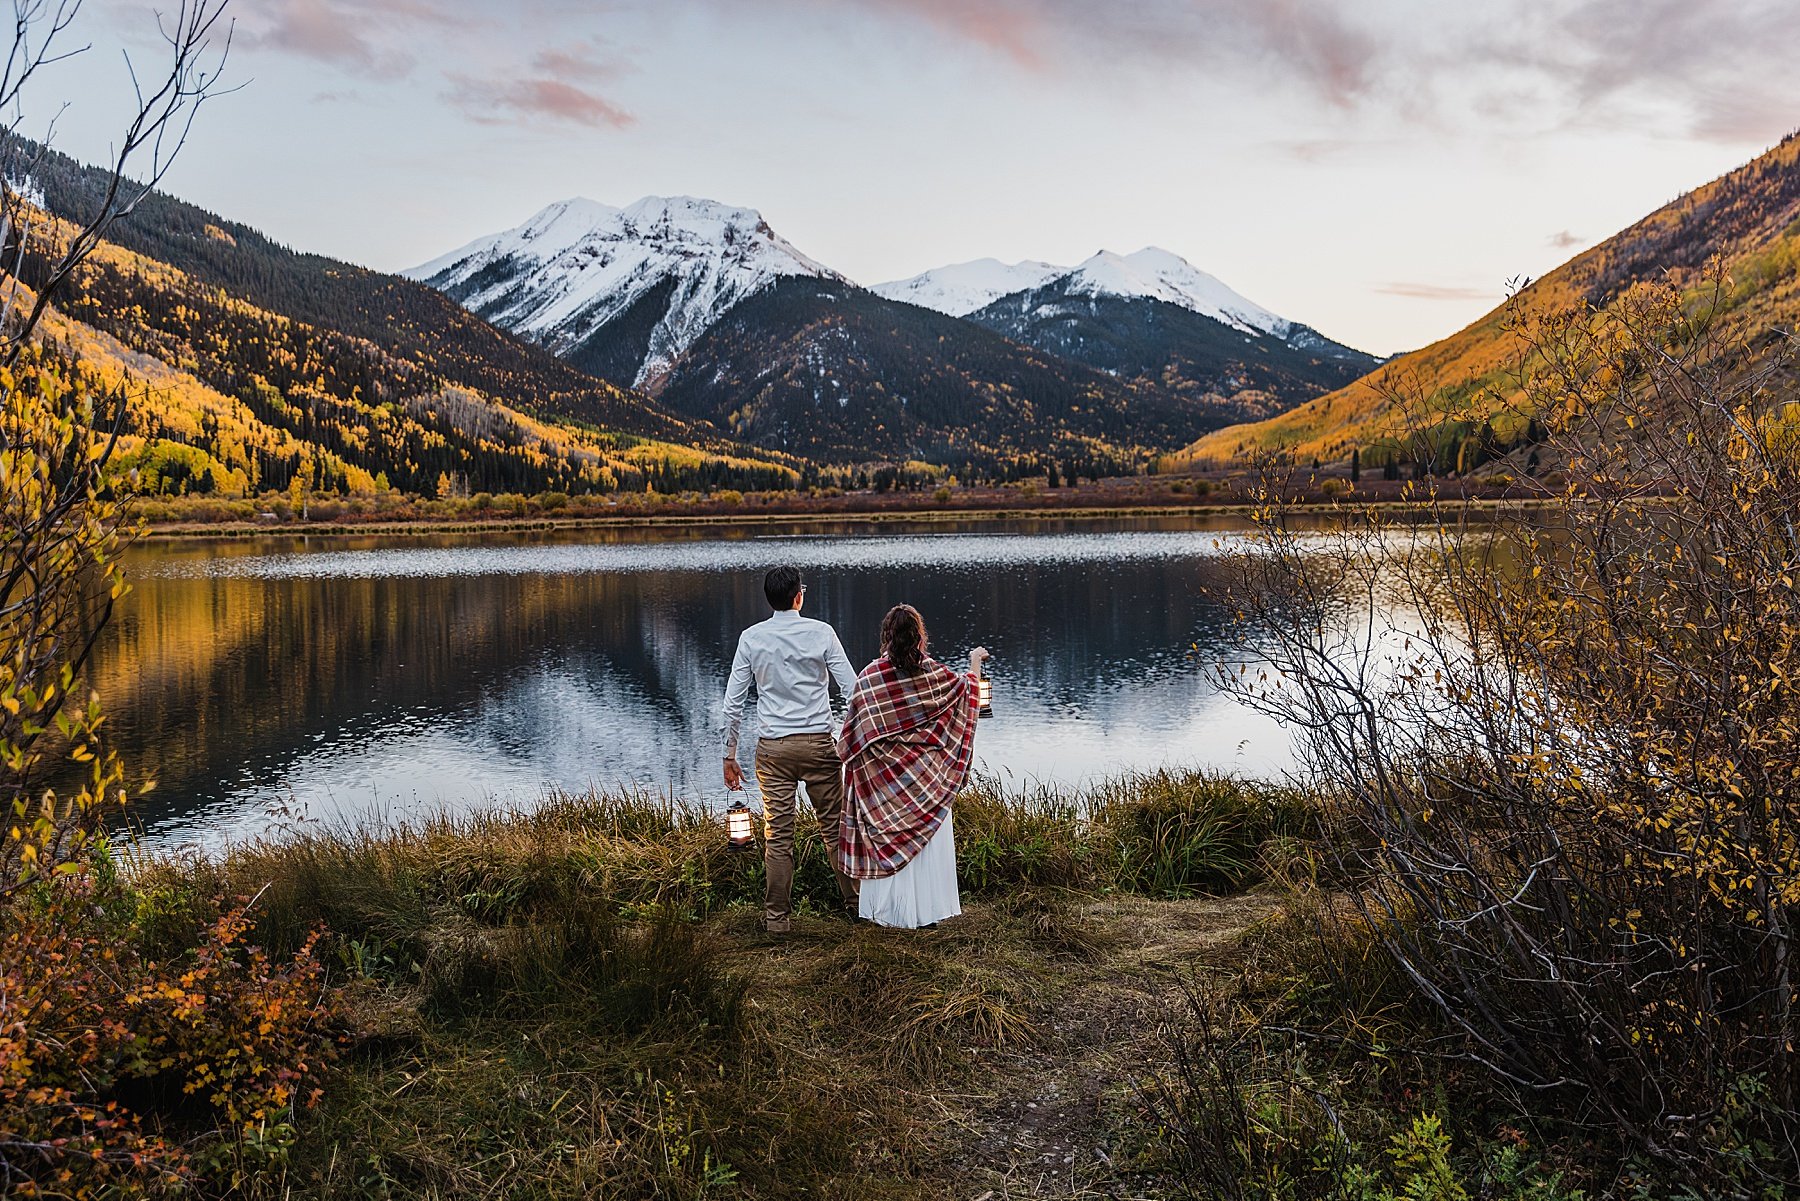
(793,661)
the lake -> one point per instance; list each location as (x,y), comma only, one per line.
(263,680)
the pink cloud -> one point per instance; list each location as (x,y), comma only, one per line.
(556,86)
(1419,291)
(1311,37)
(330,32)
(392,38)
(501,102)
(1016,29)
(1723,65)
(581,60)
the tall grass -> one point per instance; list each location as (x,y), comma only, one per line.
(1165,834)
(572,1000)
(388,894)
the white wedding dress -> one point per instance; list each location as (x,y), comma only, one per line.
(922,892)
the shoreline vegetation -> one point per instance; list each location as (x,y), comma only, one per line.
(707,515)
(578,1000)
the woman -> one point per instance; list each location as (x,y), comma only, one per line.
(906,746)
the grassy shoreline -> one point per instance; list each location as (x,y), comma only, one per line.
(1148,995)
(578,1000)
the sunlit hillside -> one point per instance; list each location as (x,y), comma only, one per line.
(380,384)
(1749,220)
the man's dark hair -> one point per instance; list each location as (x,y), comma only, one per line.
(781,586)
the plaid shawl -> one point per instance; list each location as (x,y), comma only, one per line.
(907,746)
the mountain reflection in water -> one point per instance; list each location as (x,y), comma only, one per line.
(367,678)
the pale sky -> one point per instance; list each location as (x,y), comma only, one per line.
(1377,169)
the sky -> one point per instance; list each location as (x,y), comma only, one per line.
(1380,170)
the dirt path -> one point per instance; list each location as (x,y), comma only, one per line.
(1049,1128)
(1041,1112)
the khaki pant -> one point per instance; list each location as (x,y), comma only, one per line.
(781,763)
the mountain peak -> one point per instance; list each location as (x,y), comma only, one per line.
(1153,273)
(697,209)
(1160,274)
(560,225)
(961,288)
(577,266)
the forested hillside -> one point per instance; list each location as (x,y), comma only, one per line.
(268,369)
(829,370)
(1746,222)
(1231,373)
(410,321)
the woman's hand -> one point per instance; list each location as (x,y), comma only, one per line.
(977,657)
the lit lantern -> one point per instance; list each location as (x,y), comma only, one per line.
(984,691)
(740,832)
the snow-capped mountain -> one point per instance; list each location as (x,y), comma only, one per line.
(705,306)
(1156,318)
(961,288)
(619,292)
(1152,274)
(1156,274)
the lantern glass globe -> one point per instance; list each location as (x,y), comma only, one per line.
(740,832)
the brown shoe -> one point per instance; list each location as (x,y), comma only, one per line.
(780,927)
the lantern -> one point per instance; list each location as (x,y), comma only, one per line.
(740,832)
(984,691)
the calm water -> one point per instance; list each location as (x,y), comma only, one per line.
(336,678)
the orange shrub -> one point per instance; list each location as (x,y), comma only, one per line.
(120,1072)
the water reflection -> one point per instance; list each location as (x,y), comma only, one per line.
(372,677)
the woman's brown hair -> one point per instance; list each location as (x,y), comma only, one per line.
(903,638)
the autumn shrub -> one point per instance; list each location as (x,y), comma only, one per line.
(208,509)
(138,1070)
(1238,1112)
(1563,751)
(1246,1107)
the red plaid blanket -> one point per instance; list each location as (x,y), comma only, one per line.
(906,746)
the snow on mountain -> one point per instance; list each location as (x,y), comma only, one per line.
(577,266)
(1160,275)
(1151,273)
(961,288)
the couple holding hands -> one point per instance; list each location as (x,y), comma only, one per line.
(882,785)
